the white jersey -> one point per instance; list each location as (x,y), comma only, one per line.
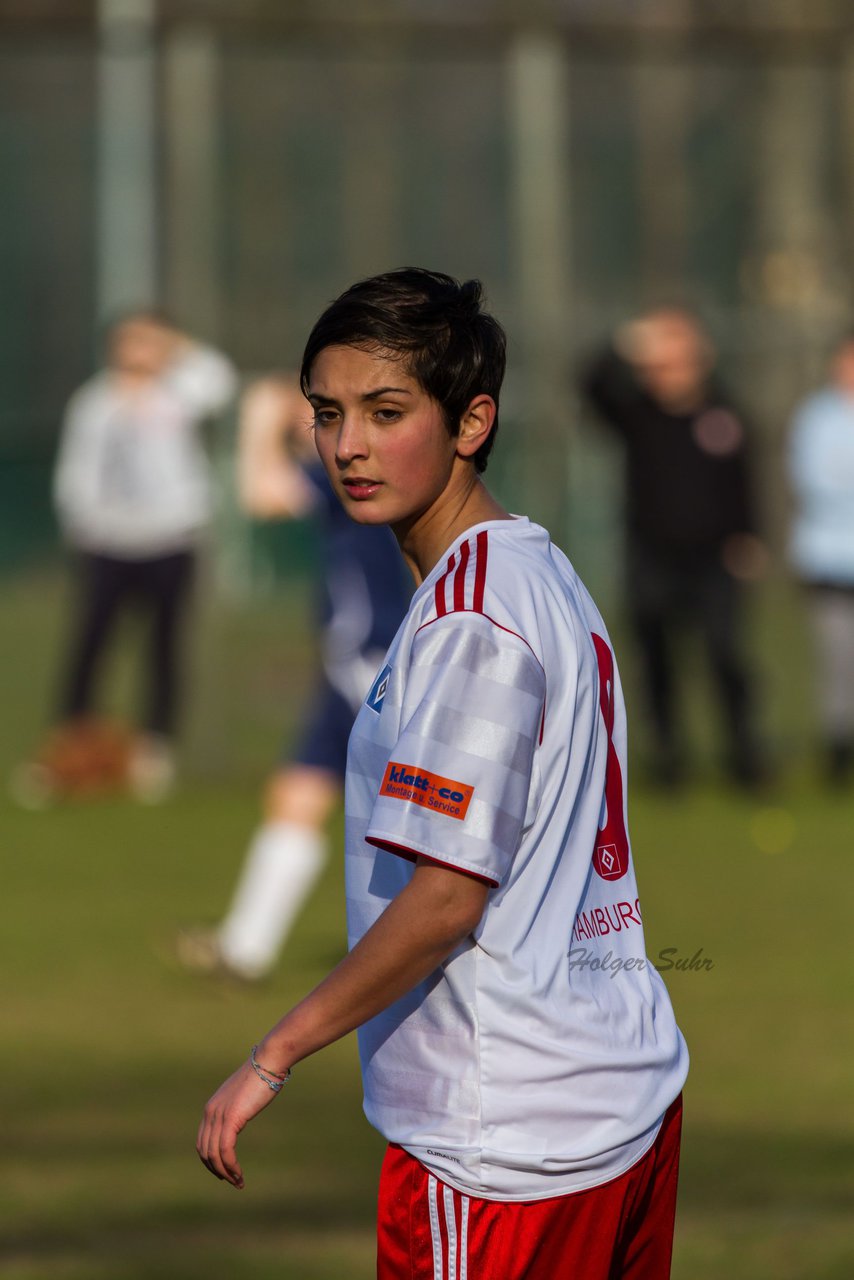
(132,478)
(539,1059)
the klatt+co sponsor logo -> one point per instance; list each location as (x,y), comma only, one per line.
(426,789)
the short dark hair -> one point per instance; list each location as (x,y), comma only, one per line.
(437,327)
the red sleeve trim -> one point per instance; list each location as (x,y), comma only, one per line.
(412,855)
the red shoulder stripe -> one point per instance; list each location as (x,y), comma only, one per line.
(480,570)
(460,578)
(441,607)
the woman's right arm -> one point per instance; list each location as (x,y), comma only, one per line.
(274,431)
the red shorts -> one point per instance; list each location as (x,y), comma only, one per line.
(622,1230)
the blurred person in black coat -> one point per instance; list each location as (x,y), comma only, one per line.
(691,539)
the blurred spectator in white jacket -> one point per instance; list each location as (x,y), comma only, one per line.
(133,494)
(821,472)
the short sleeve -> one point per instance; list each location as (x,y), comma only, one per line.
(457,786)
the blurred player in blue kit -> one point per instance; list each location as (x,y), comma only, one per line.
(363,592)
(518,1051)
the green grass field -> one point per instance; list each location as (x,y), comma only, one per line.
(110,1051)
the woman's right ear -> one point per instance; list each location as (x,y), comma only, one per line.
(476,425)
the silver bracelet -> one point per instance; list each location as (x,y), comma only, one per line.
(268,1076)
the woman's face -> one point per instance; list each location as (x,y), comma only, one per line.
(141,347)
(381,438)
(843,368)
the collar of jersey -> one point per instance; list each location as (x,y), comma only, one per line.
(441,565)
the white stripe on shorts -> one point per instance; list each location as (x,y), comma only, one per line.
(438,1265)
(451,1227)
(464,1237)
(457,1238)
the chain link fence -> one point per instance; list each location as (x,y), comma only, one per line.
(581,160)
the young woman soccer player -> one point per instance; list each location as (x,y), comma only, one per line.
(518,1051)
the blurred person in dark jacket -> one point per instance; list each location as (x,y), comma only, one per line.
(691,539)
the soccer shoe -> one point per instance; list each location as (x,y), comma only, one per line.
(33,786)
(199,951)
(86,758)
(151,769)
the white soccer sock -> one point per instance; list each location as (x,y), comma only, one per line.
(282,866)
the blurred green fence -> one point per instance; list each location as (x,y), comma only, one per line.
(698,152)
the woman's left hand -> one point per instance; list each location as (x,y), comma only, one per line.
(234,1104)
